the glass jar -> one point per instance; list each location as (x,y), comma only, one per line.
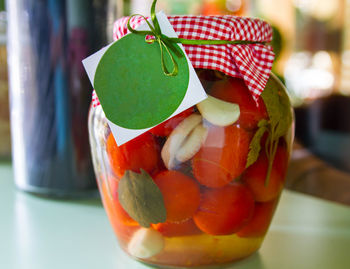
(218,211)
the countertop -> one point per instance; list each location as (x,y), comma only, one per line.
(40,233)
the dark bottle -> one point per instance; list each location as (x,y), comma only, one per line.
(50,93)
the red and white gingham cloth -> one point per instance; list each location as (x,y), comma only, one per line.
(252,62)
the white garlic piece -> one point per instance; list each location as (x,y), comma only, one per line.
(219,112)
(177,138)
(145,243)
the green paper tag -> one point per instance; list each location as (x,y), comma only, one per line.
(130,88)
(134,92)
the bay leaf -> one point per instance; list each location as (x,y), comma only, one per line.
(141,198)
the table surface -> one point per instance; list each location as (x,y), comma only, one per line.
(39,233)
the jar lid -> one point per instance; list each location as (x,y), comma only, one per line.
(251,62)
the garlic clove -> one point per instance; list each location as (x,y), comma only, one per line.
(176,138)
(145,243)
(219,112)
(192,144)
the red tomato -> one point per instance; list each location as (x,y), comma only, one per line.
(234,90)
(141,152)
(255,175)
(222,157)
(260,222)
(165,128)
(172,229)
(225,210)
(181,194)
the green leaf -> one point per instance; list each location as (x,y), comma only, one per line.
(280,114)
(278,107)
(141,198)
(255,147)
(271,157)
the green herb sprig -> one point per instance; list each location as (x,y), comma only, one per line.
(280,119)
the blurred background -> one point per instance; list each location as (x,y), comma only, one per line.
(312,47)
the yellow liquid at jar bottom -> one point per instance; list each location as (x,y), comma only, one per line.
(199,250)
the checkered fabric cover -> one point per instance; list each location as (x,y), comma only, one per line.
(252,62)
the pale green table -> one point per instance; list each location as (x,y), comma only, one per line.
(38,233)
